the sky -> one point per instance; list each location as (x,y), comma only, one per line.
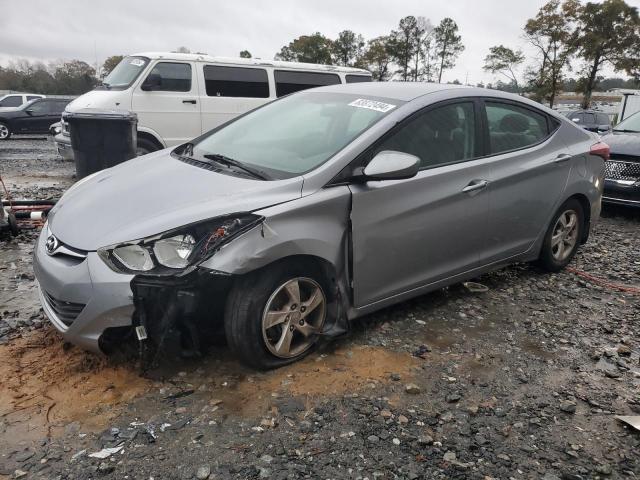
(88,30)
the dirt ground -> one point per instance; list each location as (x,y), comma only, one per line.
(523,381)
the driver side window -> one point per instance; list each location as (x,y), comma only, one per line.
(439,136)
(39,107)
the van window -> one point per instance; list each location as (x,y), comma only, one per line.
(236,82)
(357,78)
(12,101)
(125,73)
(174,77)
(512,127)
(289,82)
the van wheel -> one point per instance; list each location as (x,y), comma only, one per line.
(563,237)
(145,146)
(5,133)
(274,317)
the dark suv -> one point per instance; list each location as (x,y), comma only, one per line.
(590,120)
(33,117)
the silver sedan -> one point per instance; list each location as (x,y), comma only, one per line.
(285,224)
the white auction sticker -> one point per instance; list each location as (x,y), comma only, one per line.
(372,105)
(137,62)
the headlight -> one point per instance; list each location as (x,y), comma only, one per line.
(176,251)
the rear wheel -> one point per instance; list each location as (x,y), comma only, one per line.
(5,133)
(274,317)
(563,236)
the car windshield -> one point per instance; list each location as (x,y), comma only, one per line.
(125,72)
(631,124)
(296,134)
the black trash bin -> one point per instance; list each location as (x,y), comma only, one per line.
(101,138)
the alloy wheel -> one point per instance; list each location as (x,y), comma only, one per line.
(565,235)
(293,317)
(4,132)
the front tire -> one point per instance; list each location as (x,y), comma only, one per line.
(5,133)
(145,146)
(563,237)
(274,316)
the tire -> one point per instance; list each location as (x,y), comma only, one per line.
(562,238)
(268,290)
(145,146)
(5,132)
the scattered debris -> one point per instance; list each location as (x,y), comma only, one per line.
(106,452)
(474,287)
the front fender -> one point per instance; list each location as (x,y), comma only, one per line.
(316,225)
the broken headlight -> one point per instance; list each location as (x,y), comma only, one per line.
(179,250)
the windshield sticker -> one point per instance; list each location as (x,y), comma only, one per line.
(137,62)
(372,105)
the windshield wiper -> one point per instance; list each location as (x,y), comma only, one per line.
(230,162)
(625,130)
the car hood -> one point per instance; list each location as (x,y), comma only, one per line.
(109,99)
(623,143)
(155,193)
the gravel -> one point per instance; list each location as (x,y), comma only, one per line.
(522,381)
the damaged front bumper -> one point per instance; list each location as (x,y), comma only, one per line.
(80,295)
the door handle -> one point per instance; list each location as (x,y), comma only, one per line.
(563,157)
(189,101)
(475,185)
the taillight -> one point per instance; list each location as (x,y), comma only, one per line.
(601,149)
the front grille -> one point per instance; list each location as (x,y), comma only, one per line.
(67,312)
(621,170)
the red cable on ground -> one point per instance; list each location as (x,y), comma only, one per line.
(603,282)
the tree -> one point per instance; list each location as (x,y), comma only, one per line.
(314,48)
(74,77)
(245,54)
(405,44)
(448,44)
(607,33)
(504,60)
(377,58)
(109,64)
(550,32)
(347,49)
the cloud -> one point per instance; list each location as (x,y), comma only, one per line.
(90,30)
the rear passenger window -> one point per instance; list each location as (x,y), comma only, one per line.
(440,136)
(13,101)
(289,82)
(357,78)
(174,77)
(512,127)
(236,82)
(31,97)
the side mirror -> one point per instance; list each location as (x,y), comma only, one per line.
(30,111)
(604,128)
(391,165)
(152,82)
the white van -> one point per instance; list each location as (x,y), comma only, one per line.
(179,96)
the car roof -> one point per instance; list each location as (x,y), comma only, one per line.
(203,57)
(407,91)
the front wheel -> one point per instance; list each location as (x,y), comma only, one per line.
(145,146)
(5,133)
(563,236)
(275,317)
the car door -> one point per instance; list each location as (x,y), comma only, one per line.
(530,167)
(409,233)
(166,102)
(35,118)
